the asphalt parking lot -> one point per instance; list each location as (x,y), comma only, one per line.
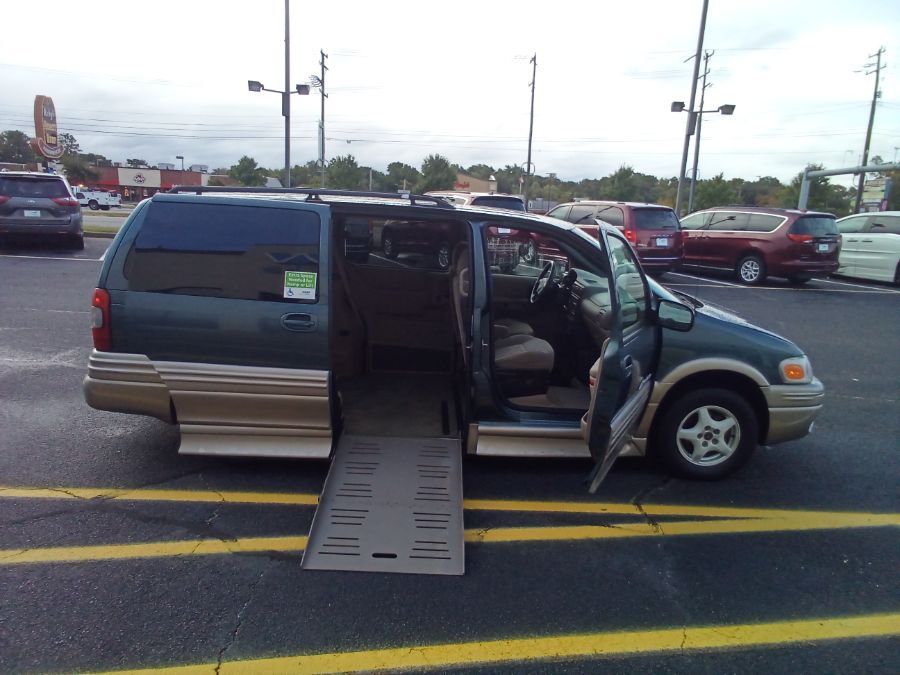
(117,554)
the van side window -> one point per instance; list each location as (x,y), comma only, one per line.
(884,225)
(612,215)
(852,225)
(728,221)
(695,221)
(581,215)
(226,251)
(762,222)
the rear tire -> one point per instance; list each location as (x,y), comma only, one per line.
(798,279)
(751,270)
(387,245)
(719,418)
(77,243)
(104,208)
(94,204)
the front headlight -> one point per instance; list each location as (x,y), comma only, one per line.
(796,370)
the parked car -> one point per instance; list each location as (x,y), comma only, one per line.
(39,206)
(652,229)
(871,246)
(94,199)
(753,242)
(240,318)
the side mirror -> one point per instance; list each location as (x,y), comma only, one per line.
(674,315)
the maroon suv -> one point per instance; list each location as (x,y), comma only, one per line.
(754,242)
(652,229)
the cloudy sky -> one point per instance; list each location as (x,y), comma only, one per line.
(159,79)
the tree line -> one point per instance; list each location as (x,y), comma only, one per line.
(438,173)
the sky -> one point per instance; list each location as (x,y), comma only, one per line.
(153,80)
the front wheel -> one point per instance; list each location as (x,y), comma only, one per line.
(751,270)
(707,434)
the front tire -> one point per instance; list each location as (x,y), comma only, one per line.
(751,270)
(707,434)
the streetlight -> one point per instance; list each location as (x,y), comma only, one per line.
(181,157)
(695,122)
(302,89)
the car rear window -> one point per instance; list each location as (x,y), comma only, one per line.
(508,203)
(817,226)
(655,219)
(224,251)
(22,186)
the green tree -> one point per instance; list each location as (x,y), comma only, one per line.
(69,145)
(401,176)
(713,192)
(437,174)
(16,148)
(623,185)
(823,196)
(136,163)
(78,171)
(343,173)
(247,172)
(96,160)
(307,175)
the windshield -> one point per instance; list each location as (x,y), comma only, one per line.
(508,203)
(818,226)
(655,219)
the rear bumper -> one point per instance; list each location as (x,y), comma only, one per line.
(71,226)
(810,267)
(792,410)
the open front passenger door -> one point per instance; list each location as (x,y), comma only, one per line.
(622,377)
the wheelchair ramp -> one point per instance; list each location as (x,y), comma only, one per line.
(390,505)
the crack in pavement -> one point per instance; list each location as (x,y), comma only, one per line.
(644,494)
(232,637)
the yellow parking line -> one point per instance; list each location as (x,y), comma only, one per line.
(564,647)
(159,549)
(308,499)
(497,535)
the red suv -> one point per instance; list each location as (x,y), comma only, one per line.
(653,230)
(753,242)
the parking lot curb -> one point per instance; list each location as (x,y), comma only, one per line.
(101,235)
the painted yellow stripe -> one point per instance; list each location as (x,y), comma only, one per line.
(307,499)
(482,536)
(160,549)
(566,647)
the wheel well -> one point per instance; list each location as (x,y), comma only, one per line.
(750,251)
(718,379)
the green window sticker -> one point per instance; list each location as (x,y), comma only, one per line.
(300,285)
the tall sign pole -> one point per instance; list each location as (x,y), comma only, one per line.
(530,130)
(692,116)
(286,95)
(323,56)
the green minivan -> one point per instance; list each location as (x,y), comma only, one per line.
(240,315)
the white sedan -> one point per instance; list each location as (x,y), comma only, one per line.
(871,246)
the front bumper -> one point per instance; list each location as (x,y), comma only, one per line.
(792,410)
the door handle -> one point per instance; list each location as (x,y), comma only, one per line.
(853,240)
(866,241)
(298,322)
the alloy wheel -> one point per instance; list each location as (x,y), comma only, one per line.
(708,435)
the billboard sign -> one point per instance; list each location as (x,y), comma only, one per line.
(875,190)
(46,138)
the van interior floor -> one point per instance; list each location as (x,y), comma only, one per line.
(409,405)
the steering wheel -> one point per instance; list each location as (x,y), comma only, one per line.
(542,283)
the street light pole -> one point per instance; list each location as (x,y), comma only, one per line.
(530,130)
(286,97)
(689,129)
(706,56)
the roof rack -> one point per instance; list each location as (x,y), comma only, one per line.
(315,194)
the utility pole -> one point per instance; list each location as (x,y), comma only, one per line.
(706,56)
(530,130)
(692,116)
(875,95)
(286,96)
(322,58)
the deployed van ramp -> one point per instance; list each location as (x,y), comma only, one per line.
(390,505)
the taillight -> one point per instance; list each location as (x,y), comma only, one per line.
(3,199)
(101,320)
(631,236)
(801,238)
(66,201)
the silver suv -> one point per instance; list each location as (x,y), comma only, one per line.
(39,205)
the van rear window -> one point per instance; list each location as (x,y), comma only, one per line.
(35,188)
(818,226)
(655,219)
(508,203)
(222,251)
